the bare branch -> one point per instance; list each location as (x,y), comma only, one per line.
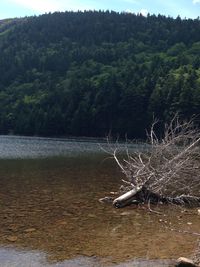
(171,166)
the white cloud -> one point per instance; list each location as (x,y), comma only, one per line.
(144,12)
(196,1)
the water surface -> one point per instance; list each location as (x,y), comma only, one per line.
(49,205)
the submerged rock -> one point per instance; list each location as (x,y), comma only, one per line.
(29,230)
(12,238)
(185,262)
(106,200)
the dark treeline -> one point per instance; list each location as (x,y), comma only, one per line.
(97,73)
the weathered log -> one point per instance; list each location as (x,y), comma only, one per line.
(184,200)
(147,196)
(143,195)
(127,198)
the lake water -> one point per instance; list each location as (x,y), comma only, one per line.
(50,214)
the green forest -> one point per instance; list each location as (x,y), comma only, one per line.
(97,73)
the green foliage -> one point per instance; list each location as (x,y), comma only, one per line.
(97,73)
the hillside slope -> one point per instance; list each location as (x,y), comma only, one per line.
(94,73)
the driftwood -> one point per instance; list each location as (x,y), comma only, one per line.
(126,199)
(142,195)
(168,172)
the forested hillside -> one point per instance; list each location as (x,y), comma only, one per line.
(94,73)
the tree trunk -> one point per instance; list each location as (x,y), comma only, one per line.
(143,195)
(127,198)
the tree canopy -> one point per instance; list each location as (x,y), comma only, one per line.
(97,73)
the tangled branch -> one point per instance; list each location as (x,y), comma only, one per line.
(170,169)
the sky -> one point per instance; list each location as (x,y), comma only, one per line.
(172,8)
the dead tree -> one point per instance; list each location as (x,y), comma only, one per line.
(168,171)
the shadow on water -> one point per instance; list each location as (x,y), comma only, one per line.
(51,206)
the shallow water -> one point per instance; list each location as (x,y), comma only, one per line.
(17,258)
(50,206)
